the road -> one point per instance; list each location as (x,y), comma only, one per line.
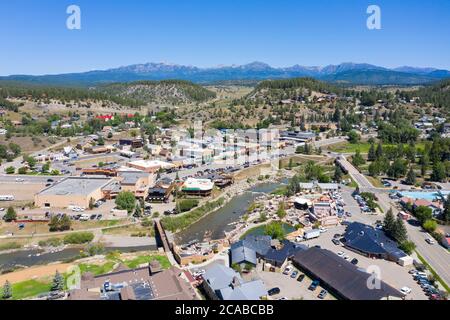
(435,255)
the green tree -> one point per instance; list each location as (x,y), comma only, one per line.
(357,159)
(353,137)
(236,267)
(22,170)
(126,201)
(423,214)
(424,162)
(439,174)
(46,167)
(281,212)
(91,203)
(58,282)
(7,290)
(372,156)
(101,141)
(389,222)
(397,169)
(411,177)
(10,170)
(31,161)
(430,225)
(400,233)
(15,148)
(275,230)
(337,174)
(138,211)
(10,215)
(407,246)
(379,151)
(374,169)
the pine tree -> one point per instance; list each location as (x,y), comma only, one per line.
(379,151)
(389,222)
(399,233)
(372,156)
(338,174)
(58,282)
(7,290)
(411,177)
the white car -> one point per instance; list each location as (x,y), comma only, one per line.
(20,180)
(341,254)
(430,241)
(405,290)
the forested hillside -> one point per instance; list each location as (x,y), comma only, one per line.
(63,94)
(166,91)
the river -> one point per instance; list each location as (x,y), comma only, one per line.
(219,221)
(34,257)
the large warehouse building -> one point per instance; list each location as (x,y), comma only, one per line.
(72,191)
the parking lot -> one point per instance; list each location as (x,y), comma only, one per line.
(390,272)
(290,288)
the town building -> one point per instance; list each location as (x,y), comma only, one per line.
(145,283)
(373,243)
(150,166)
(223,283)
(73,191)
(198,187)
(340,277)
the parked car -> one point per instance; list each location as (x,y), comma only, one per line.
(287,270)
(336,241)
(274,291)
(314,285)
(294,274)
(354,261)
(322,294)
(301,278)
(405,290)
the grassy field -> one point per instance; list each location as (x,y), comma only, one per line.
(363,147)
(30,288)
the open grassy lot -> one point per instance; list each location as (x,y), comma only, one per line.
(363,147)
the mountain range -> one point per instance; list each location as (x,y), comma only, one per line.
(345,73)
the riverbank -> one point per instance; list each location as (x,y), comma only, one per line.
(182,224)
(225,219)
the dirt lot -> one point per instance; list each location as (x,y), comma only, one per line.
(22,192)
(30,144)
(34,273)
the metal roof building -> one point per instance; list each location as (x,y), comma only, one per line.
(371,242)
(223,283)
(341,277)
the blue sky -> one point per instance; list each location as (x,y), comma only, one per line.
(207,33)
